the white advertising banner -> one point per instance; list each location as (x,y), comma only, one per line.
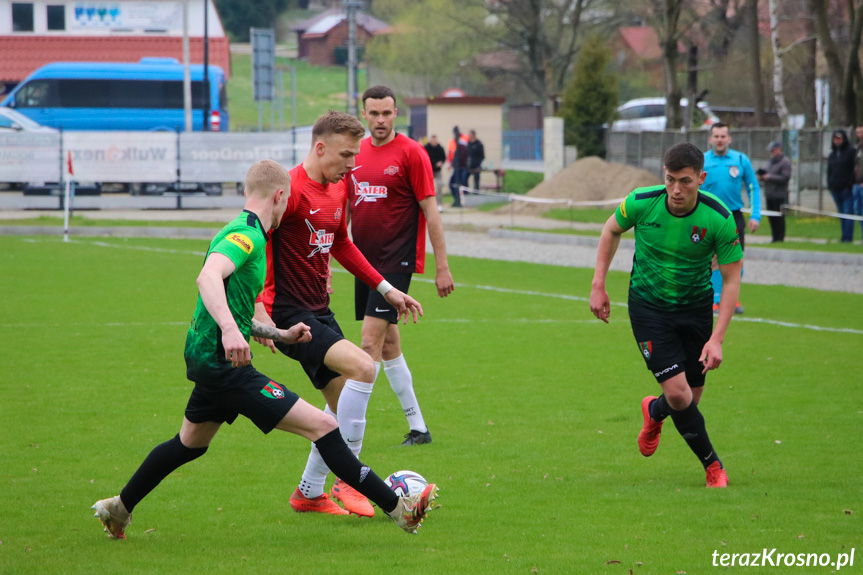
(29,157)
(227,157)
(122,156)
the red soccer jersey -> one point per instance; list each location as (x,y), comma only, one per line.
(387,223)
(298,251)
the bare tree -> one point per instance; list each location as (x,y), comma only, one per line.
(665,17)
(845,74)
(755,42)
(778,53)
(543,33)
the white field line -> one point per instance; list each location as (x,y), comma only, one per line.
(531,293)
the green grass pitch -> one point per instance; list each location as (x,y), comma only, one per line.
(532,403)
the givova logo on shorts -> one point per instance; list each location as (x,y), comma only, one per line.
(273,390)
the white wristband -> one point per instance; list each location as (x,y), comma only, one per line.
(384,287)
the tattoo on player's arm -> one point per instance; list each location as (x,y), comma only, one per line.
(265,331)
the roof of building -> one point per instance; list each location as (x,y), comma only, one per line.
(642,40)
(322,23)
(20,55)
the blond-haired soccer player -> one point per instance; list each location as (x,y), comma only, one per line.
(218,361)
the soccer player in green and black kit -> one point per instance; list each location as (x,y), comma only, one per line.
(677,230)
(218,361)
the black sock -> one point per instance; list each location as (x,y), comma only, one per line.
(659,409)
(164,459)
(690,424)
(349,469)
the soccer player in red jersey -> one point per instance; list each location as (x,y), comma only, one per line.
(313,227)
(391,196)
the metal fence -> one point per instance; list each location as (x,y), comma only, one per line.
(808,150)
(522,145)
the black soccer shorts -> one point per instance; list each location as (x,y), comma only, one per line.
(243,391)
(671,341)
(370,302)
(325,333)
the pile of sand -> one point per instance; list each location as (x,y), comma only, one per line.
(588,179)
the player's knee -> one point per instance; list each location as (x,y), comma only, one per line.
(324,423)
(363,368)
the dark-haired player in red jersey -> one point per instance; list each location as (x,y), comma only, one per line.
(392,198)
(313,227)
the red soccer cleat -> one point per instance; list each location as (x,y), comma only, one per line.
(320,504)
(716,475)
(648,438)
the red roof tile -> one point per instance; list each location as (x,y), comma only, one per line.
(21,55)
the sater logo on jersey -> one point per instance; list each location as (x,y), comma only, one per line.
(273,390)
(391,171)
(338,214)
(320,240)
(698,234)
(646,348)
(242,241)
(367,193)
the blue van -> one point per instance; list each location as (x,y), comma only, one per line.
(120,96)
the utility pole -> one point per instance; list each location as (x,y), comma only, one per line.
(206,66)
(187,78)
(351,7)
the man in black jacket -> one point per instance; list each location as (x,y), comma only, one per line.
(840,178)
(475,157)
(437,155)
(774,181)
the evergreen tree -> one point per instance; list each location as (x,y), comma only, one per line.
(590,99)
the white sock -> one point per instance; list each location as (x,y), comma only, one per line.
(353,403)
(315,473)
(377,369)
(402,382)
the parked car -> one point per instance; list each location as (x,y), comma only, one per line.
(648,114)
(12,121)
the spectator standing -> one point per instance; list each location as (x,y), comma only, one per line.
(840,179)
(437,155)
(857,189)
(774,178)
(475,157)
(457,157)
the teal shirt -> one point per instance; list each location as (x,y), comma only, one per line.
(671,267)
(243,241)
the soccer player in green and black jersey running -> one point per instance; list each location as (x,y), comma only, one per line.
(218,362)
(677,230)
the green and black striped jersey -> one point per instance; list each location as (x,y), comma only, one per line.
(671,267)
(243,241)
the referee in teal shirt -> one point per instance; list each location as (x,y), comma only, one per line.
(727,172)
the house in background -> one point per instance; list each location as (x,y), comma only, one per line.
(36,33)
(323,39)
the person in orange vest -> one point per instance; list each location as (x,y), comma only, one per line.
(457,158)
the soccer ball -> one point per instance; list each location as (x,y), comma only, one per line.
(406,483)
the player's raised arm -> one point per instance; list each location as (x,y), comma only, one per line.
(600,304)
